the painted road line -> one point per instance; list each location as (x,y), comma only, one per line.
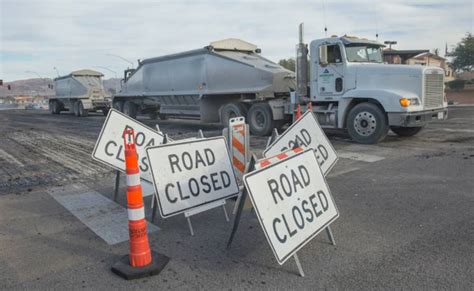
(104,217)
(359,156)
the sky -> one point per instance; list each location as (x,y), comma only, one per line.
(37,36)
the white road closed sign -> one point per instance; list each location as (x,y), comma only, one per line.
(292,201)
(191,173)
(109,146)
(307,133)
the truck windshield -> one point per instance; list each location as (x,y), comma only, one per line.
(363,53)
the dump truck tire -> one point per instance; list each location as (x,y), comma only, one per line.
(406,131)
(82,111)
(118,105)
(260,119)
(54,107)
(232,110)
(153,115)
(130,109)
(75,108)
(367,123)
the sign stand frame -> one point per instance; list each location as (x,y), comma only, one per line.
(241,203)
(194,211)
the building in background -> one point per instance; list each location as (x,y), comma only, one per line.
(418,57)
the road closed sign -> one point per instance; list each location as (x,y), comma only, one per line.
(306,133)
(109,146)
(292,201)
(191,173)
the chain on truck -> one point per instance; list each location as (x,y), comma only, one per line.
(344,78)
(80,92)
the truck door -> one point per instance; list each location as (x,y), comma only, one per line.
(330,72)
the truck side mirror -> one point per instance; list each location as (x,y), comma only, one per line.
(323,55)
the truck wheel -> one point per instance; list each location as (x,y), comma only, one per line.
(367,123)
(260,119)
(406,131)
(153,115)
(75,108)
(118,105)
(54,107)
(82,111)
(232,110)
(130,109)
(51,106)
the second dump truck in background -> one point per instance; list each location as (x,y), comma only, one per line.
(80,92)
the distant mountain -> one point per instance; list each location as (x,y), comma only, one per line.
(39,87)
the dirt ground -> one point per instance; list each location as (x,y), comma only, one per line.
(406,219)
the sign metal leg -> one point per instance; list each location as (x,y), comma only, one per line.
(117,185)
(153,208)
(225,213)
(240,205)
(190,226)
(330,235)
(298,264)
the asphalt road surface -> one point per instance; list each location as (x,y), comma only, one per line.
(406,215)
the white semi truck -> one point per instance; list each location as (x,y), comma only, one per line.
(349,87)
(81,91)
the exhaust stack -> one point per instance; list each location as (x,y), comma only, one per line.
(301,67)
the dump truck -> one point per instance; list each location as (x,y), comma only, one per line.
(80,92)
(344,79)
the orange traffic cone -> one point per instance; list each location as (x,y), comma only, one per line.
(298,112)
(140,254)
(141,261)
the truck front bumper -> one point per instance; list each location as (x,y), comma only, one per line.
(418,118)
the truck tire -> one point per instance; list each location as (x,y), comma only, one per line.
(118,105)
(260,119)
(153,115)
(367,123)
(232,110)
(75,108)
(130,109)
(406,131)
(82,111)
(54,107)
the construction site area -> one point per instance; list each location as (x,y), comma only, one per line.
(406,214)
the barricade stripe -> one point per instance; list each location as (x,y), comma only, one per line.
(238,164)
(238,145)
(133,179)
(136,214)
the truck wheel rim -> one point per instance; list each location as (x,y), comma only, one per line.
(365,123)
(260,119)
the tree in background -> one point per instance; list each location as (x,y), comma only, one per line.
(463,54)
(288,64)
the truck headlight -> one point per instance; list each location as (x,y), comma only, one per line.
(405,102)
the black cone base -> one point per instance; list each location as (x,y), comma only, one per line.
(126,271)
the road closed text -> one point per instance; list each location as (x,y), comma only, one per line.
(306,133)
(109,147)
(191,173)
(292,201)
(206,183)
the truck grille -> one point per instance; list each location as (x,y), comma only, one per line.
(433,90)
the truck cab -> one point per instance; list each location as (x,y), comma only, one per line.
(350,87)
